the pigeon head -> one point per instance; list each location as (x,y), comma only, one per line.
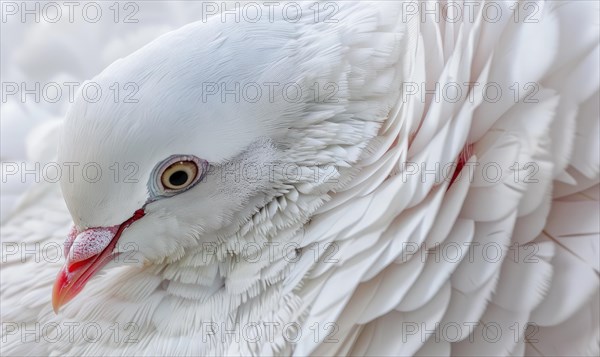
(178,155)
(184,141)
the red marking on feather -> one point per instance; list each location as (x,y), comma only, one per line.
(462,159)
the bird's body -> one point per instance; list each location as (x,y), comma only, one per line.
(334,223)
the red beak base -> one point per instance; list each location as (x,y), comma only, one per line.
(88,252)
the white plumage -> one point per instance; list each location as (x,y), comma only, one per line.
(390,253)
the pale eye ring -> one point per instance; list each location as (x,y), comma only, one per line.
(179,175)
(176,174)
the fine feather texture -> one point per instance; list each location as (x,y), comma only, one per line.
(391,256)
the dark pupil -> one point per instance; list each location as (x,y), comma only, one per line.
(178,178)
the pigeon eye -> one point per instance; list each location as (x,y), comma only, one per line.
(175,175)
(179,175)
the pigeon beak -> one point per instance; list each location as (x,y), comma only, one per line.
(87,253)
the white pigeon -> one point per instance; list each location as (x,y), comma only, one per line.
(385,179)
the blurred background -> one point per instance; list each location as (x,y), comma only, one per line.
(47,49)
